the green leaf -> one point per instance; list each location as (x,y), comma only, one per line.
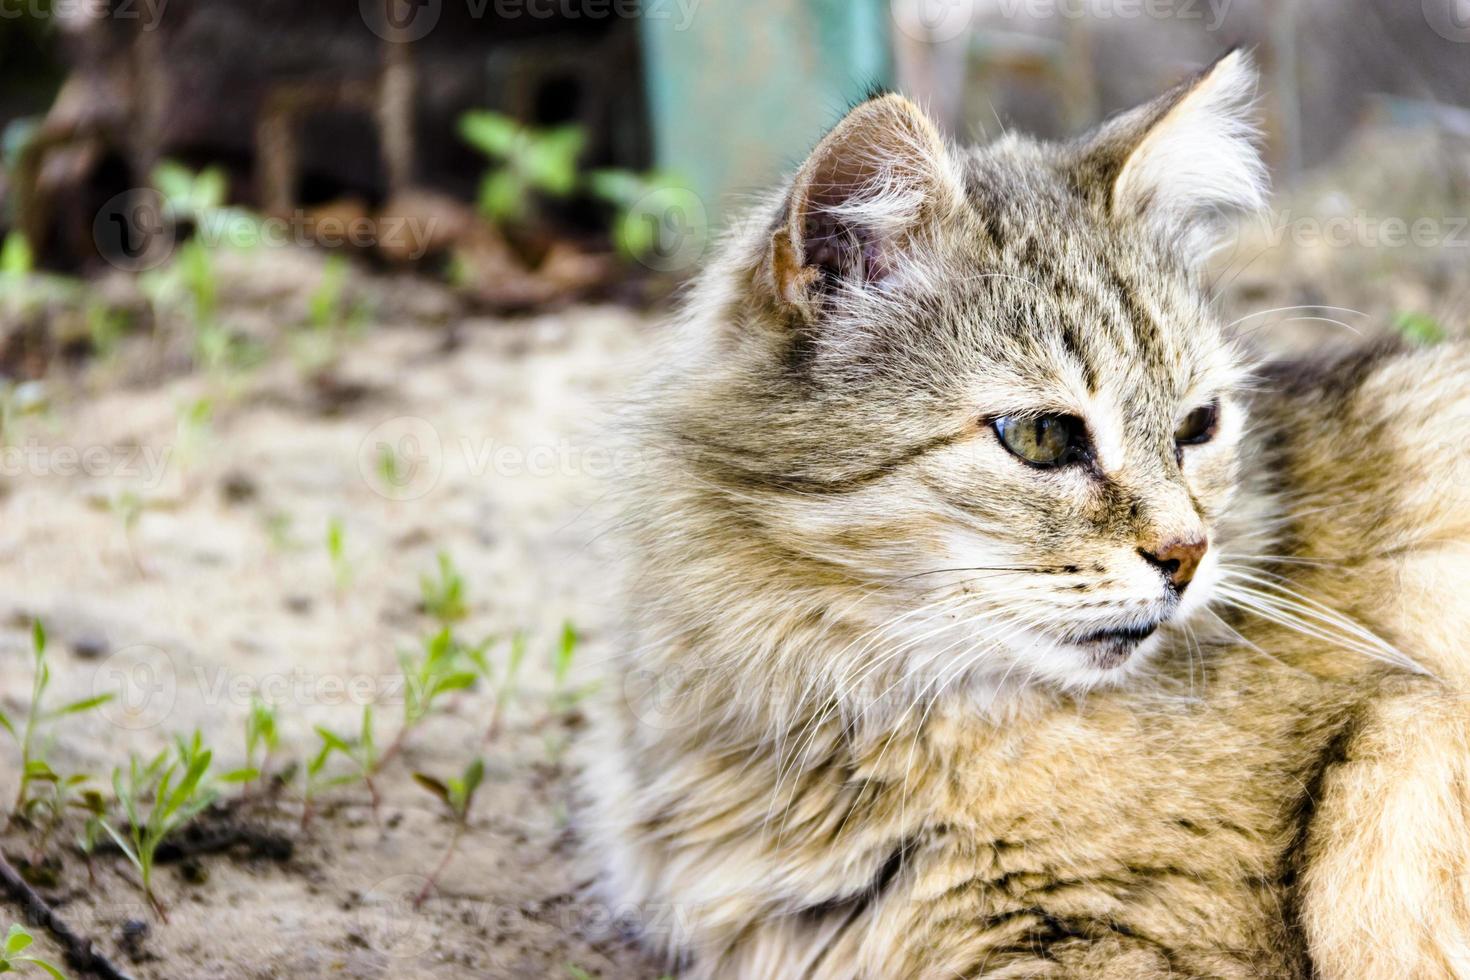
(122,844)
(565,651)
(16,257)
(492,133)
(239,775)
(5,724)
(551,160)
(332,740)
(474,774)
(43,965)
(455,682)
(37,769)
(17,939)
(432,785)
(38,638)
(76,707)
(502,197)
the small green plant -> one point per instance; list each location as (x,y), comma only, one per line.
(325,308)
(458,795)
(47,811)
(177,787)
(262,735)
(443,596)
(427,677)
(362,752)
(313,779)
(337,553)
(33,765)
(563,697)
(12,960)
(1420,328)
(505,687)
(524,161)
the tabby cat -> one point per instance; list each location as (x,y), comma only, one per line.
(992,614)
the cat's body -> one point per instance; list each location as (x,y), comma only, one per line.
(864,727)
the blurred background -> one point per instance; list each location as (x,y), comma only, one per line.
(309,312)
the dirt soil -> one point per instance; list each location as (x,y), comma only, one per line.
(169,525)
(183,567)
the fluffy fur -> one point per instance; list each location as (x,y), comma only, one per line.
(858,728)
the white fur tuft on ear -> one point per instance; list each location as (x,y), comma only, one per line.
(866,187)
(1197,161)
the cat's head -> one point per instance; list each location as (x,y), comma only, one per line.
(987,383)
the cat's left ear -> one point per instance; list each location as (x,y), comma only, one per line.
(860,201)
(1182,163)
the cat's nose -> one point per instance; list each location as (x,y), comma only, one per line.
(1177,558)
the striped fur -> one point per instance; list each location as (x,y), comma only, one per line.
(852,733)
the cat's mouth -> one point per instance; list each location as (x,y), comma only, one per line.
(1111,647)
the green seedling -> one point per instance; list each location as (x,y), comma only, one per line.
(337,553)
(505,687)
(177,787)
(313,780)
(33,765)
(47,811)
(390,466)
(563,697)
(458,795)
(93,829)
(361,752)
(13,960)
(443,596)
(325,308)
(524,161)
(427,677)
(262,735)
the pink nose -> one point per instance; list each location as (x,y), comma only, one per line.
(1177,558)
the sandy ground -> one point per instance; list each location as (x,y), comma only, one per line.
(182,566)
(221,587)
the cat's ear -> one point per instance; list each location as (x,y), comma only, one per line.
(1184,162)
(857,202)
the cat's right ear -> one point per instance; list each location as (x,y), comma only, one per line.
(858,201)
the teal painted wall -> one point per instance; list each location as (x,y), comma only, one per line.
(740,90)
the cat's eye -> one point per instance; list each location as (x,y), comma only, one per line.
(1043,440)
(1198,426)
